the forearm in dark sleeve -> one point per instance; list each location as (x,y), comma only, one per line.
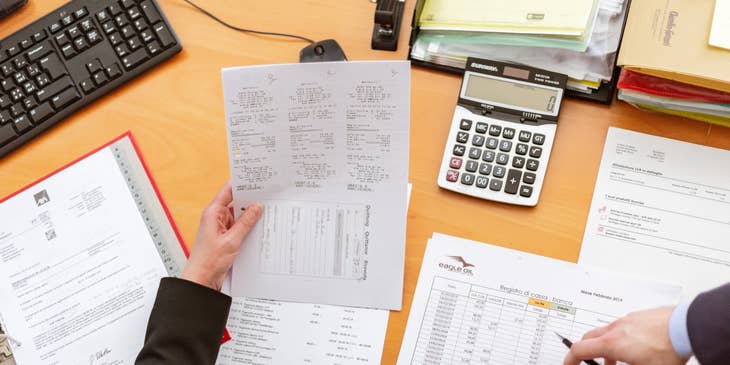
(186,324)
(708,325)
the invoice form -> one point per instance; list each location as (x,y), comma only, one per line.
(481,304)
(78,267)
(661,209)
(324,147)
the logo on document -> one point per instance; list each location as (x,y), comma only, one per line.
(459,265)
(41,198)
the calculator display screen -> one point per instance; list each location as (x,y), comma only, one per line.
(510,93)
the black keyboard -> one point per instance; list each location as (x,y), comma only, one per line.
(73,56)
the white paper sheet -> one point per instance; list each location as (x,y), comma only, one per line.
(78,269)
(324,147)
(720,31)
(661,209)
(481,304)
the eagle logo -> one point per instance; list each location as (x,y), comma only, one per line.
(463,262)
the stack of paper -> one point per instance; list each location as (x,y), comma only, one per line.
(672,67)
(579,39)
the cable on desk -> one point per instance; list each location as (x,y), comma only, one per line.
(244,30)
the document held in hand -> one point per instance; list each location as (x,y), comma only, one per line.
(324,148)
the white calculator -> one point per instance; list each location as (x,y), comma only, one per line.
(502,132)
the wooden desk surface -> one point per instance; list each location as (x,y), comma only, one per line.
(176,114)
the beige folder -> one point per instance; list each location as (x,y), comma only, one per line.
(669,38)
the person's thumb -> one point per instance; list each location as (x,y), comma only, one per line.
(245,223)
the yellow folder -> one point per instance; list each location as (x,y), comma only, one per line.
(669,39)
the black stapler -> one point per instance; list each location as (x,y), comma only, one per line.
(388,16)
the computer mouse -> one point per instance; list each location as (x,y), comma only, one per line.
(9,6)
(323,51)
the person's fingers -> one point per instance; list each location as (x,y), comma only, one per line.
(245,223)
(596,332)
(593,348)
(224,196)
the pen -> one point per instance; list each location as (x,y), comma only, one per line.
(569,344)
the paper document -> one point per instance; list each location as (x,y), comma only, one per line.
(481,304)
(78,266)
(324,147)
(720,32)
(661,209)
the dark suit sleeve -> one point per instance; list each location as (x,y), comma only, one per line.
(186,324)
(708,325)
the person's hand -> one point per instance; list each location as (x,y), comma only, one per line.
(641,338)
(219,240)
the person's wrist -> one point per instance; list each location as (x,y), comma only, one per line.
(199,278)
(678,332)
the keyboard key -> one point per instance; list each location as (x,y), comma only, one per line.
(7,85)
(7,69)
(499,171)
(16,109)
(475,153)
(147,36)
(100,78)
(114,9)
(29,88)
(150,12)
(5,117)
(87,86)
(471,166)
(481,128)
(94,66)
(16,94)
(67,20)
(80,13)
(505,146)
(482,182)
(42,80)
(495,130)
(526,191)
(492,143)
(39,36)
(29,103)
(485,168)
(66,97)
(134,43)
(459,150)
(452,175)
(513,181)
(4,101)
(20,63)
(538,139)
(535,152)
(529,178)
(134,13)
(154,48)
(102,16)
(140,25)
(115,38)
(22,124)
(521,149)
(121,50)
(488,156)
(121,20)
(62,39)
(462,137)
(477,140)
(518,162)
(41,112)
(55,27)
(114,71)
(52,64)
(127,3)
(465,125)
(467,179)
(35,53)
(109,27)
(94,37)
(508,133)
(87,25)
(455,163)
(74,32)
(164,35)
(495,185)
(68,51)
(525,136)
(128,32)
(25,43)
(7,133)
(532,165)
(81,44)
(502,158)
(54,88)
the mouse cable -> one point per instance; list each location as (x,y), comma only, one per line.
(244,30)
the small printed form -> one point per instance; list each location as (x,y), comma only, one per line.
(324,148)
(661,209)
(481,304)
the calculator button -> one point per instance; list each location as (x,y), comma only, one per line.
(505,146)
(529,178)
(532,165)
(495,185)
(535,152)
(518,162)
(492,143)
(459,150)
(495,130)
(521,149)
(488,156)
(471,166)
(485,168)
(481,128)
(455,163)
(502,158)
(499,171)
(467,179)
(508,133)
(465,125)
(482,182)
(477,140)
(513,181)
(525,136)
(538,139)
(526,191)
(462,137)
(475,153)
(452,175)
